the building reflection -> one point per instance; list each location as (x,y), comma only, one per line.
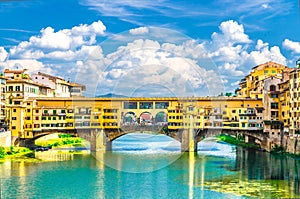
(256,165)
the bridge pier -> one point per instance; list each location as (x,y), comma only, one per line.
(188,140)
(98,141)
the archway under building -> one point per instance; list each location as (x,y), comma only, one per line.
(129,118)
(161,118)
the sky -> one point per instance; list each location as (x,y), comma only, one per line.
(146,47)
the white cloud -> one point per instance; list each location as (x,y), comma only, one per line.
(291,45)
(144,63)
(65,40)
(179,66)
(32,65)
(3,54)
(230,49)
(139,31)
(265,5)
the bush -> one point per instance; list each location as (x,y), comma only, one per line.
(64,135)
(2,152)
(278,149)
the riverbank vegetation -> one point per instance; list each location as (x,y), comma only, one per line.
(62,140)
(280,150)
(239,141)
(12,151)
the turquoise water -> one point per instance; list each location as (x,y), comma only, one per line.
(144,166)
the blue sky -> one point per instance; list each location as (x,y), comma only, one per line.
(196,47)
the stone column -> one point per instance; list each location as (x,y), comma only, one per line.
(98,140)
(188,141)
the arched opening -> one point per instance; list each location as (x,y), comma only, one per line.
(129,119)
(161,118)
(146,118)
(148,142)
(272,88)
(211,146)
(61,141)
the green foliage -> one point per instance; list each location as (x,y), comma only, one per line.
(239,141)
(64,135)
(165,130)
(278,149)
(2,152)
(61,142)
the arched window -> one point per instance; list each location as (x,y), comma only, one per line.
(272,88)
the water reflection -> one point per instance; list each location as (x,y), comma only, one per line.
(192,175)
(258,174)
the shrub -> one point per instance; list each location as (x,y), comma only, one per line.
(278,149)
(64,135)
(2,152)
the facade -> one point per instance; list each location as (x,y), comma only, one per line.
(294,109)
(252,85)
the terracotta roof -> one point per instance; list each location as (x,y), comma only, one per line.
(15,71)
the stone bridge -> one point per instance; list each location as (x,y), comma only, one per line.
(101,139)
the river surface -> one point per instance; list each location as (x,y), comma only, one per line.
(144,166)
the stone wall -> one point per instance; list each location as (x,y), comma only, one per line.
(291,144)
(5,138)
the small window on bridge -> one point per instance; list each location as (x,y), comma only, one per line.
(146,105)
(161,105)
(130,105)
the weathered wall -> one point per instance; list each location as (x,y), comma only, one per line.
(5,138)
(291,144)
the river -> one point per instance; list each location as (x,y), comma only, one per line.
(144,166)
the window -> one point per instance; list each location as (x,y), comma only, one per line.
(13,127)
(272,88)
(14,118)
(36,118)
(273,71)
(28,110)
(36,111)
(17,102)
(274,95)
(18,88)
(14,110)
(44,118)
(265,71)
(10,88)
(274,105)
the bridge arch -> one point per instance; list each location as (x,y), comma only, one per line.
(146,118)
(129,118)
(161,118)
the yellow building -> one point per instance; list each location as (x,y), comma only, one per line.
(295,101)
(217,113)
(252,85)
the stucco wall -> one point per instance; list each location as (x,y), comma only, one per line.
(5,138)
